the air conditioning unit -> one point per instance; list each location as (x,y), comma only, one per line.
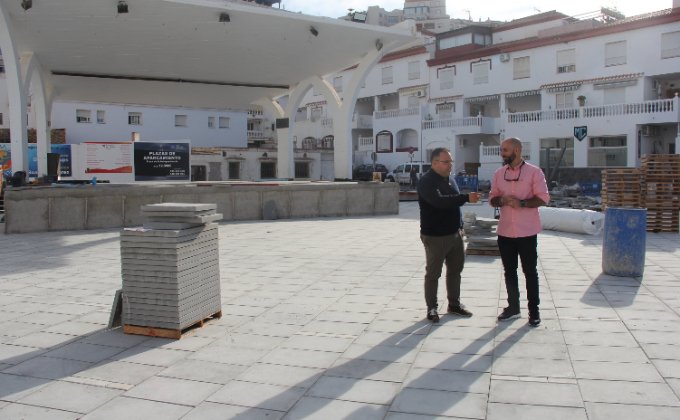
(505,57)
(420,93)
(650,130)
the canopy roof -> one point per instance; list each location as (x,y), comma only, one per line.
(193,53)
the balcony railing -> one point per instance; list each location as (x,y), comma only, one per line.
(659,106)
(395,113)
(365,144)
(327,122)
(491,154)
(453,122)
(255,134)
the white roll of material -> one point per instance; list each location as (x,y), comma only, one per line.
(571,220)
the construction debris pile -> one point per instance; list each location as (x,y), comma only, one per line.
(480,234)
(571,196)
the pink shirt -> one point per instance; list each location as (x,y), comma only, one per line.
(519,222)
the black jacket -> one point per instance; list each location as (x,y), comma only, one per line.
(440,201)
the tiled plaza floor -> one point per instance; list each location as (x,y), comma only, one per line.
(324,319)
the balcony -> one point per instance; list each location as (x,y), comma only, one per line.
(396,113)
(467,125)
(658,111)
(365,144)
(255,135)
(492,154)
(362,121)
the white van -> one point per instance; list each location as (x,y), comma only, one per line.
(402,173)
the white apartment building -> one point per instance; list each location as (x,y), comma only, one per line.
(538,78)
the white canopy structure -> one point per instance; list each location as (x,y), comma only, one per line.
(189,53)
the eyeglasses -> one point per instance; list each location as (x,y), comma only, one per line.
(505,174)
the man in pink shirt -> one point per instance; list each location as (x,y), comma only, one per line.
(519,189)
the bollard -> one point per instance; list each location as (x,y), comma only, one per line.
(624,242)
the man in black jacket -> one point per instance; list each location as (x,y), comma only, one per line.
(440,231)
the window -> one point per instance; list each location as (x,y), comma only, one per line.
(480,73)
(211,122)
(1,121)
(670,44)
(607,151)
(267,170)
(301,169)
(413,70)
(234,170)
(337,83)
(83,115)
(101,117)
(614,96)
(564,100)
(315,113)
(224,122)
(134,118)
(521,68)
(413,101)
(180,120)
(383,142)
(566,61)
(387,75)
(615,53)
(446,79)
(446,110)
(551,149)
(2,65)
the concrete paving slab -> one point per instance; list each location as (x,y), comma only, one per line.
(258,395)
(443,403)
(133,408)
(68,396)
(29,412)
(173,390)
(313,407)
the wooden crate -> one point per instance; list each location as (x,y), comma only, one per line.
(663,220)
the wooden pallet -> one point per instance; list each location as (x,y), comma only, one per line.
(167,332)
(487,252)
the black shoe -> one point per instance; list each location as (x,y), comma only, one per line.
(534,319)
(460,311)
(432,315)
(508,314)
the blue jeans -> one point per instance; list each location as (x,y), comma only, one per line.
(526,249)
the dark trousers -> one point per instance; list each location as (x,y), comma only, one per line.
(447,249)
(526,249)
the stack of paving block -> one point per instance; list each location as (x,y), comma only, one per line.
(170,268)
(481,235)
(621,187)
(661,191)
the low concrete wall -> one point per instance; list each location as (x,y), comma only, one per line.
(38,209)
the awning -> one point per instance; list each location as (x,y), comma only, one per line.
(412,89)
(522,93)
(445,98)
(479,99)
(607,80)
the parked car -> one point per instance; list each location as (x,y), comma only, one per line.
(402,173)
(365,172)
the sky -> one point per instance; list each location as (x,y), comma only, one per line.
(502,10)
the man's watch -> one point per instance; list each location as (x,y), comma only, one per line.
(522,203)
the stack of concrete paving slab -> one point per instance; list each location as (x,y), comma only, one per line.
(170,267)
(481,235)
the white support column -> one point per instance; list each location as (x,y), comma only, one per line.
(42,101)
(17,91)
(342,129)
(286,157)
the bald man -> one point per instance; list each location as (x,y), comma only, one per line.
(518,188)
